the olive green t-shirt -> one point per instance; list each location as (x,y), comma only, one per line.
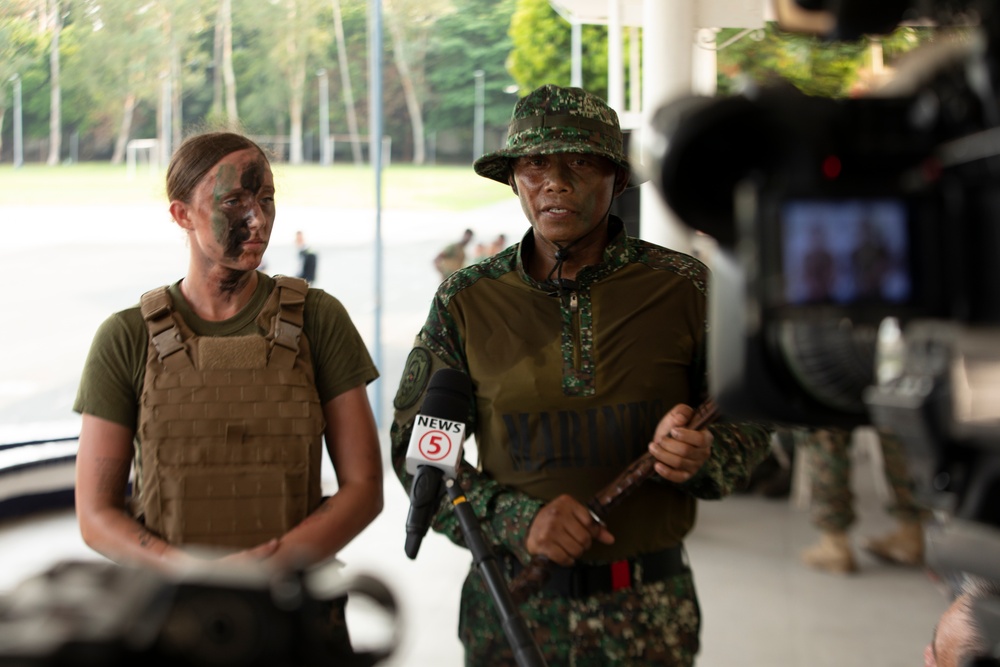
(112,380)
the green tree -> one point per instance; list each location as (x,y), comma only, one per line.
(262,92)
(111,54)
(542,44)
(32,65)
(811,64)
(115,59)
(20,51)
(409,24)
(183,20)
(354,17)
(54,25)
(474,38)
(304,31)
(343,64)
(277,48)
(223,76)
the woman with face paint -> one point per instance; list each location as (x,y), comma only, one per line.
(219,391)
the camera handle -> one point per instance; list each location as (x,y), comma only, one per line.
(526,651)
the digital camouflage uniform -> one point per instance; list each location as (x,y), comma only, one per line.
(567,397)
(569,384)
(832,501)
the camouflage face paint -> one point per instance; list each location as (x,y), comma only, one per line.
(235,201)
(228,225)
(231,224)
(233,280)
(253,177)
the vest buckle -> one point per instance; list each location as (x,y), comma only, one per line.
(167,342)
(287,334)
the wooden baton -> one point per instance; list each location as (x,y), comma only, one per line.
(532,578)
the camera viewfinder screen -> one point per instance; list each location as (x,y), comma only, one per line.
(845,251)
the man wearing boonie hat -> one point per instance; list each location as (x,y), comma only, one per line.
(585,348)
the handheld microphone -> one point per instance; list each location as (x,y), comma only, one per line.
(435,449)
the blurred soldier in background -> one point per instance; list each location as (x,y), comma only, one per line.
(828,454)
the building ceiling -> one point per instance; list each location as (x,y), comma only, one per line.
(596,11)
(708,13)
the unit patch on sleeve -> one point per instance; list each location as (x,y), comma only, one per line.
(415,376)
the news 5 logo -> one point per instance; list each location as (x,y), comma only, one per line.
(436,442)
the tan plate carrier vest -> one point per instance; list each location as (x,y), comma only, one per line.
(231,427)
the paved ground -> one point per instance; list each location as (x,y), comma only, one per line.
(72,267)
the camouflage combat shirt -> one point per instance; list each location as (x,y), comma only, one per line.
(569,386)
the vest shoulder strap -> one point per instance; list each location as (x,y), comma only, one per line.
(286,326)
(165,335)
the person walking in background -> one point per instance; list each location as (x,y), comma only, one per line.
(499,243)
(220,390)
(452,258)
(586,349)
(307,259)
(829,464)
(482,251)
(485,250)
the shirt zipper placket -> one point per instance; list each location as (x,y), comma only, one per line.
(574,310)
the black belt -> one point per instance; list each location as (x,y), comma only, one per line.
(582,580)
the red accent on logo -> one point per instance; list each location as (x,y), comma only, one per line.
(434,445)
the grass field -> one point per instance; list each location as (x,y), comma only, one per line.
(404,187)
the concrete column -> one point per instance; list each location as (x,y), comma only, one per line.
(669,29)
(634,67)
(576,64)
(325,154)
(616,59)
(705,66)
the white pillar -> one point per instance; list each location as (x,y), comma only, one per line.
(478,130)
(18,128)
(634,68)
(616,59)
(576,66)
(325,154)
(669,28)
(166,124)
(704,58)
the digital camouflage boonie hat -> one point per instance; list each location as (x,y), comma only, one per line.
(553,119)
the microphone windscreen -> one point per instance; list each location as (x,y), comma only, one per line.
(448,395)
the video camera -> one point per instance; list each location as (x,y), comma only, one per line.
(80,613)
(858,274)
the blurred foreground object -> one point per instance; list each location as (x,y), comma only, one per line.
(95,613)
(835,217)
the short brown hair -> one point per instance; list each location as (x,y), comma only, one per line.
(196,155)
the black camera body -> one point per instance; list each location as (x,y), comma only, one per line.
(858,274)
(836,221)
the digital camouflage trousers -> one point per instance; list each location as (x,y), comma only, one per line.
(651,624)
(829,457)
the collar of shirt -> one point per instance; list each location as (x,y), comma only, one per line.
(616,255)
